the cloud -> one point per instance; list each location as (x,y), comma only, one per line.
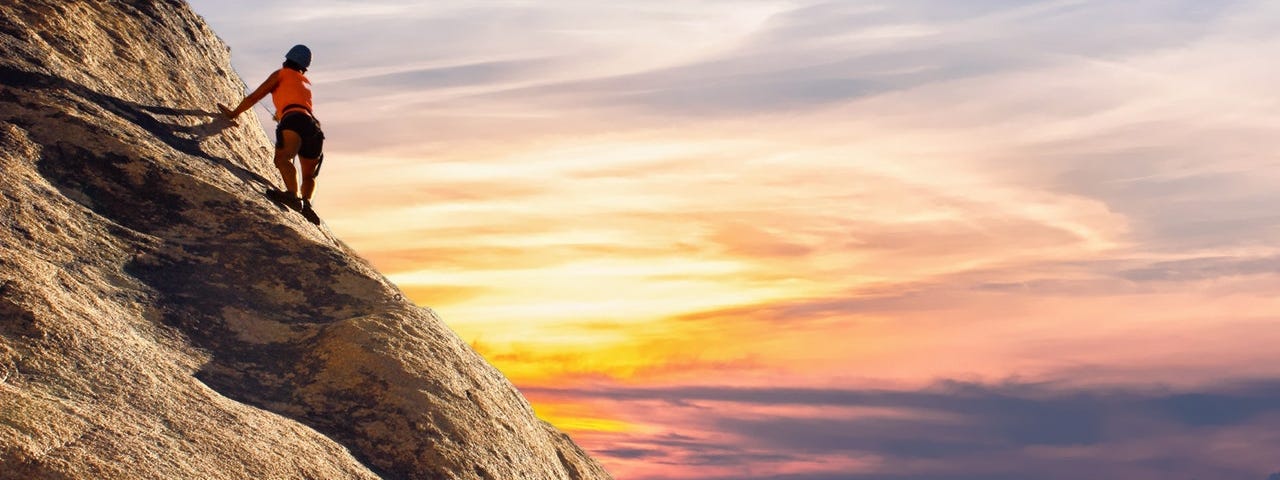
(632,453)
(372,85)
(821,53)
(961,430)
(1205,268)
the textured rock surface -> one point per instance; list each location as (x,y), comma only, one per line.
(160,319)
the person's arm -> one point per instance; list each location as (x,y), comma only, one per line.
(253,98)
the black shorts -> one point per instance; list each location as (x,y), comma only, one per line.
(307,128)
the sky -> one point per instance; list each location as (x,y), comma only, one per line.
(813,240)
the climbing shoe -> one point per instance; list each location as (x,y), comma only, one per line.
(308,213)
(285,198)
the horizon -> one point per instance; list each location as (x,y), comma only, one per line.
(760,239)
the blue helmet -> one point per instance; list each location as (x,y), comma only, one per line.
(300,55)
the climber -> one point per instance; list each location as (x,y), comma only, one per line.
(297,130)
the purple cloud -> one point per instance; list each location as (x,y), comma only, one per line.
(961,431)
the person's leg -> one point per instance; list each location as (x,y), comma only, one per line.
(288,148)
(310,154)
(309,166)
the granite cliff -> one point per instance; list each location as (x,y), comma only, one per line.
(159,318)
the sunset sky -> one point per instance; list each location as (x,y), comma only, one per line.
(750,239)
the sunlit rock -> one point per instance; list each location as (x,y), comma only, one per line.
(160,318)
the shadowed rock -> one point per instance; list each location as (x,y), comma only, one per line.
(160,318)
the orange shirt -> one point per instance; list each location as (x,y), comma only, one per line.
(293,89)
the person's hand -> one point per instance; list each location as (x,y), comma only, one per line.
(227,115)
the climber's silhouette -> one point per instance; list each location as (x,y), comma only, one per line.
(297,130)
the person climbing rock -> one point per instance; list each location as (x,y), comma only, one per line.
(297,130)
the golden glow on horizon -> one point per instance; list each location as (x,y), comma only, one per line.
(580,259)
(575,417)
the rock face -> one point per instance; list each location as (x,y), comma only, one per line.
(159,318)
